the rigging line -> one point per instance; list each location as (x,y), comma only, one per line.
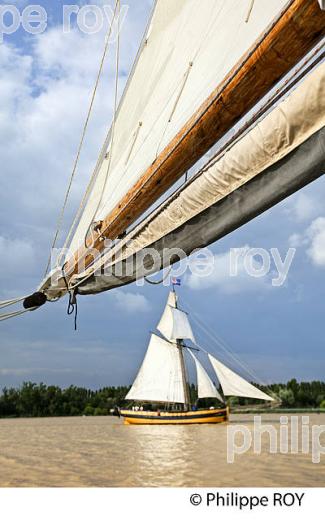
(60,219)
(136,135)
(177,100)
(164,278)
(250,9)
(117,15)
(4,317)
(117,67)
(223,345)
(8,303)
(238,361)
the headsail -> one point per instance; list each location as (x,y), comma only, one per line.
(206,388)
(160,376)
(174,323)
(234,385)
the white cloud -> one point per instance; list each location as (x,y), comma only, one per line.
(316,236)
(296,240)
(313,239)
(220,276)
(131,302)
(303,207)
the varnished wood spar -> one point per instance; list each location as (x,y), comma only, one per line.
(293,34)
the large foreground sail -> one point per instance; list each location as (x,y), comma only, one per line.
(201,68)
(189,49)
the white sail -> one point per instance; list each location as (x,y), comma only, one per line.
(172,299)
(189,49)
(234,385)
(174,323)
(160,376)
(206,388)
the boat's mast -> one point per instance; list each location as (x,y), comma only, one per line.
(180,347)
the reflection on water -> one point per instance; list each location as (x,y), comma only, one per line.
(101,451)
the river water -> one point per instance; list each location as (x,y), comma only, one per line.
(102,452)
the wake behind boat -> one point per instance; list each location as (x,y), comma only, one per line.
(161,388)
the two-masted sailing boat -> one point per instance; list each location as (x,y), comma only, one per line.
(161,388)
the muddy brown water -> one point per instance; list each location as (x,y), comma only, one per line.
(102,452)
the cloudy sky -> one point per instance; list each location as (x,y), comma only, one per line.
(45,87)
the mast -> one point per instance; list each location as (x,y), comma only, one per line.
(292,35)
(180,347)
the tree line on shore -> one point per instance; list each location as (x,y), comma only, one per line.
(40,400)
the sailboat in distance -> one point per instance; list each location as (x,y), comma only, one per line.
(161,388)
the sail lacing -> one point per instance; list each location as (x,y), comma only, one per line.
(115,110)
(250,11)
(136,135)
(102,62)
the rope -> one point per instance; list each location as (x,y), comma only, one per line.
(177,100)
(7,303)
(164,278)
(60,219)
(222,344)
(112,129)
(72,303)
(117,65)
(250,11)
(186,76)
(4,317)
(136,134)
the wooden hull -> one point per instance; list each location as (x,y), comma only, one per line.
(192,417)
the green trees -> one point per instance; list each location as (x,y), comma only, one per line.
(40,400)
(32,400)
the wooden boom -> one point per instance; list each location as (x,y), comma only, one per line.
(294,33)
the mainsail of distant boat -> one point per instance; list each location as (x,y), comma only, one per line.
(202,82)
(161,388)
